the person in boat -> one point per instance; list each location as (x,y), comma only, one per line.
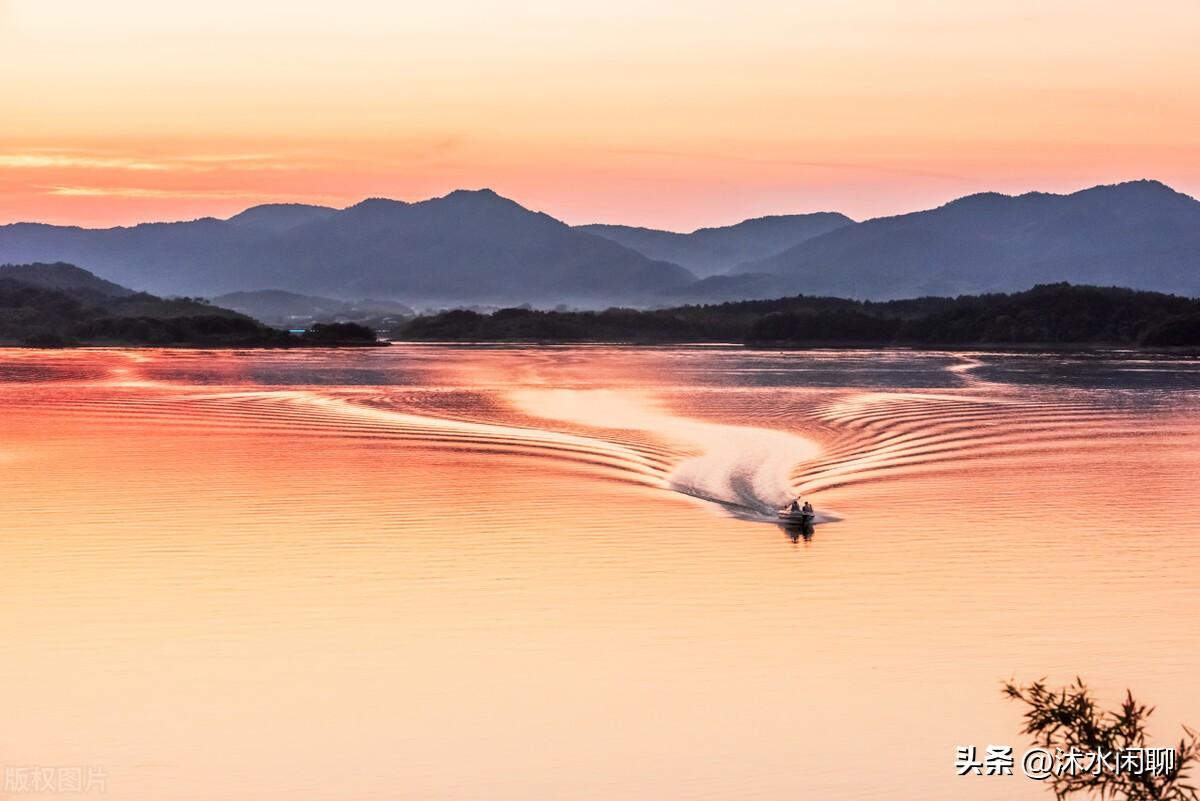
(808,510)
(795,507)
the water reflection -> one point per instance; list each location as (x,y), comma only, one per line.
(798,531)
(244,574)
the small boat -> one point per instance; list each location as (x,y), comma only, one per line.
(786,515)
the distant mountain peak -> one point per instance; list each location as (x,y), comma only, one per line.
(1145,187)
(263,208)
(1142,183)
(279,217)
(482,192)
(479,198)
(376,203)
(782,219)
(983,198)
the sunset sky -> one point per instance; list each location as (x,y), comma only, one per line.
(668,113)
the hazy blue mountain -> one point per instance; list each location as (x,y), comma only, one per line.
(471,246)
(63,276)
(724,288)
(1140,234)
(709,251)
(277,307)
(466,246)
(278,217)
(179,258)
(475,247)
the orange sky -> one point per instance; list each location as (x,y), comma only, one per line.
(672,113)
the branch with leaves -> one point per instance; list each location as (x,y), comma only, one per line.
(1069,718)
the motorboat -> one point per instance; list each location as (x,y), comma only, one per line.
(787,515)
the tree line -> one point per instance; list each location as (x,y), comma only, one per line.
(1049,314)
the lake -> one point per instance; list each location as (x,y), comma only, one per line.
(524,574)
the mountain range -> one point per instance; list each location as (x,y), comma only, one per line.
(712,251)
(478,247)
(1140,234)
(469,246)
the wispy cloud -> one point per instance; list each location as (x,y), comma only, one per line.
(37,159)
(145,192)
(179,193)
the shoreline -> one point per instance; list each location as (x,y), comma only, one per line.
(996,347)
(14,345)
(1038,347)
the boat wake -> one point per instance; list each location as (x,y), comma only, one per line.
(625,435)
(743,469)
(888,436)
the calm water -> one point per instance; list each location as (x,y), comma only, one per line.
(495,574)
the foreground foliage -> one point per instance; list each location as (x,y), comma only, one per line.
(1069,719)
